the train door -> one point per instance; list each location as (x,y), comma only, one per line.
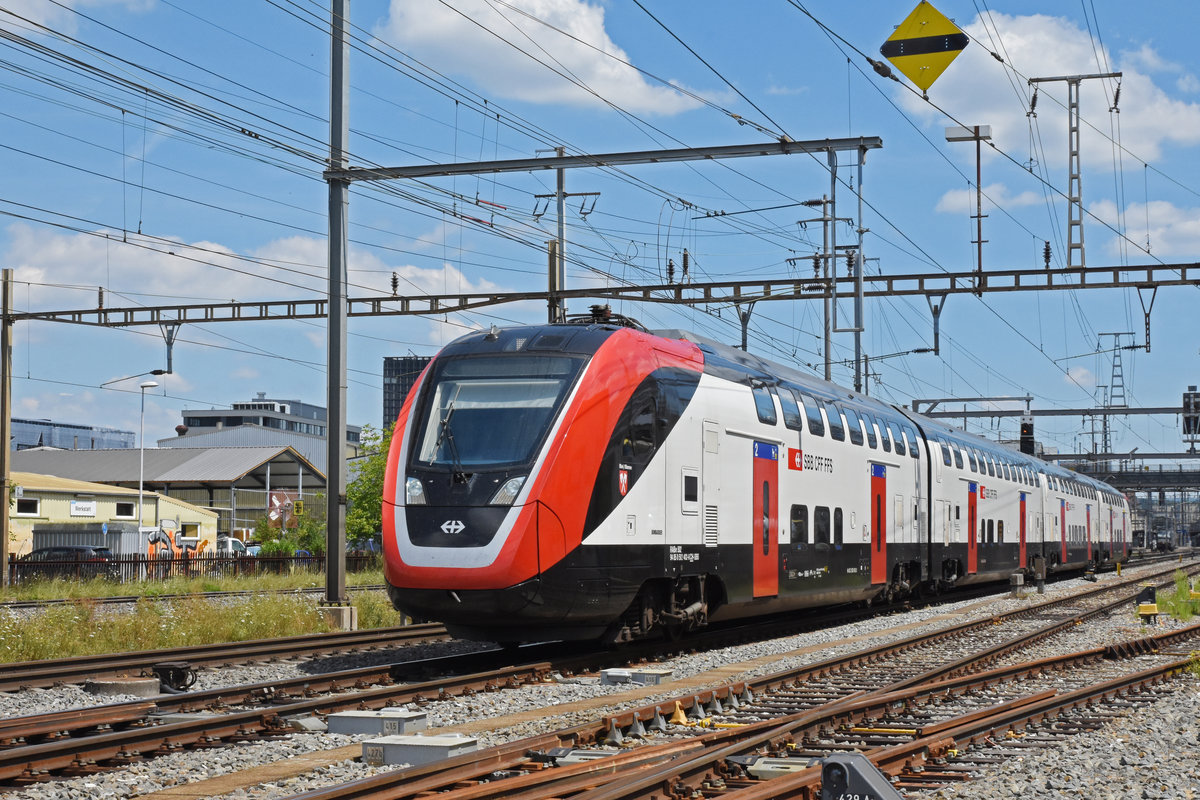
(1021,533)
(710,478)
(765,520)
(1088,522)
(1062,513)
(878,523)
(946,522)
(1113,547)
(972,530)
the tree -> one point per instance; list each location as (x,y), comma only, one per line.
(364,494)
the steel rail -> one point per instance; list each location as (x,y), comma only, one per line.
(75,669)
(87,751)
(660,780)
(34,762)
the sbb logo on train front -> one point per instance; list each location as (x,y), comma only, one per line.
(453,526)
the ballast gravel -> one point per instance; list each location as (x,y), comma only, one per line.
(1153,752)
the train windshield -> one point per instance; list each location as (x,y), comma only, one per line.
(492,411)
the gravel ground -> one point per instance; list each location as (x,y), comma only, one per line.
(1153,754)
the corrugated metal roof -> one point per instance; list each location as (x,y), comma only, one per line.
(312,448)
(53,483)
(170,465)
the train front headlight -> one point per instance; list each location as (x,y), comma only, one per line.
(414,492)
(507,493)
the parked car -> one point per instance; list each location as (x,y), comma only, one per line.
(68,561)
(229,546)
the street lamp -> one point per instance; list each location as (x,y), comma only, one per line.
(144,385)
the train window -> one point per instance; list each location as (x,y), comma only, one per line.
(691,488)
(1000,532)
(991,536)
(836,430)
(911,433)
(791,410)
(642,429)
(816,425)
(852,428)
(764,405)
(982,531)
(958,459)
(991,465)
(799,524)
(870,429)
(884,438)
(489,412)
(957,511)
(945,446)
(1007,474)
(897,437)
(837,526)
(821,525)
(971,459)
(874,422)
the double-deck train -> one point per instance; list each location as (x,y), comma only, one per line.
(595,480)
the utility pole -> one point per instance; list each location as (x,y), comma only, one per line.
(557,305)
(5,417)
(977,134)
(1116,387)
(1074,177)
(336,604)
(856,265)
(559,312)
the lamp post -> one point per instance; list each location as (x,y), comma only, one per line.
(144,385)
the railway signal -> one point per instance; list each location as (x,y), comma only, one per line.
(924,45)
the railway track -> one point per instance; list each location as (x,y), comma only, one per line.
(76,669)
(90,743)
(763,745)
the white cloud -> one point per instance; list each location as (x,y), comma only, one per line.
(995,195)
(786,91)
(1173,232)
(58,16)
(65,269)
(977,90)
(1080,377)
(1147,59)
(473,39)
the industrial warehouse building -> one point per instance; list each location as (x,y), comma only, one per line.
(46,501)
(240,484)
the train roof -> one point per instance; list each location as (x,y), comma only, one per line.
(743,367)
(583,336)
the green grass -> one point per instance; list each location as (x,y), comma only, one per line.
(1178,602)
(59,589)
(84,627)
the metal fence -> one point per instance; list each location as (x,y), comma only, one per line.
(132,569)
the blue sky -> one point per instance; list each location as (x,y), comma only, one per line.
(170,152)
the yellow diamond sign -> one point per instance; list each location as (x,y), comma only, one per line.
(924,45)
